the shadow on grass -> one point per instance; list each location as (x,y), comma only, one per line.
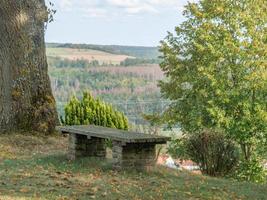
(58,162)
(50,177)
(54,177)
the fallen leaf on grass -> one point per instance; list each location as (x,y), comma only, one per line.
(24,190)
(90,193)
(215,188)
(95,189)
(188,193)
(104,194)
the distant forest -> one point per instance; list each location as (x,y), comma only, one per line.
(130,85)
(83,63)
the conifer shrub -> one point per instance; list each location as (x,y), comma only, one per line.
(91,111)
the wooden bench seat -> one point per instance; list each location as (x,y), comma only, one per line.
(129,149)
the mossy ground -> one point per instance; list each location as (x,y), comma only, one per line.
(34,167)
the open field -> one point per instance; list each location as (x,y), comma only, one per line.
(35,167)
(86,54)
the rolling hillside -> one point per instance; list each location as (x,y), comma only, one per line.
(87,54)
(37,168)
(127,82)
(134,51)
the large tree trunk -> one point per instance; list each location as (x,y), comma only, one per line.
(26,100)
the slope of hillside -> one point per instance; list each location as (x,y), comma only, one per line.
(131,86)
(33,167)
(86,54)
(134,51)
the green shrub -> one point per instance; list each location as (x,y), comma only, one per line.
(214,154)
(93,111)
(251,170)
(178,148)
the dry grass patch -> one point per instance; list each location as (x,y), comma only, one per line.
(25,145)
(35,167)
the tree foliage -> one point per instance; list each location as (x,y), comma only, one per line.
(138,62)
(251,171)
(217,69)
(67,63)
(93,111)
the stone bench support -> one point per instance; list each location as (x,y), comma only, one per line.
(130,149)
(140,156)
(84,146)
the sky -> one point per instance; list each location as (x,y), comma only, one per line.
(119,22)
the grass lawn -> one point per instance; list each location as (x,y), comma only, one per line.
(33,167)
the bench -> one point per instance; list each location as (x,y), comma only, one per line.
(129,149)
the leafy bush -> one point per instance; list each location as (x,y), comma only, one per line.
(178,148)
(251,170)
(215,155)
(93,111)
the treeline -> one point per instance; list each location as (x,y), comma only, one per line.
(83,63)
(135,51)
(73,80)
(138,61)
(79,63)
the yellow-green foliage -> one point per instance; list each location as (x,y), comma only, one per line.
(89,110)
(216,67)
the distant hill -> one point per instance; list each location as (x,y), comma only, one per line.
(134,51)
(85,54)
(124,76)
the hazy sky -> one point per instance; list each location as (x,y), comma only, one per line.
(123,22)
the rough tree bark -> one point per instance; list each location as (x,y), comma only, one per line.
(26,100)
